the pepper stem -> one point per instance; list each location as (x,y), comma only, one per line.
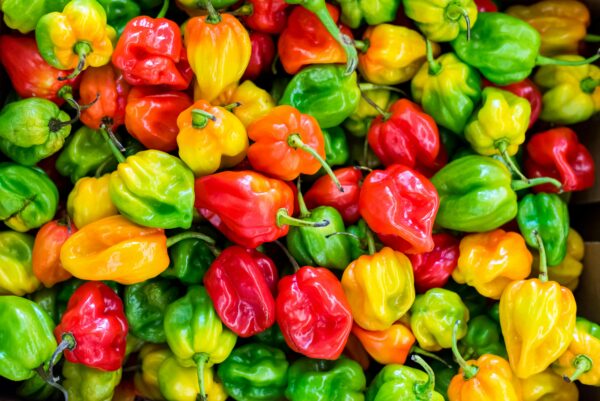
(454,12)
(582,364)
(590,37)
(245,10)
(163,10)
(295,141)
(115,146)
(213,16)
(362,45)
(502,146)
(81,49)
(200,118)
(589,84)
(424,388)
(434,67)
(541,60)
(287,253)
(364,86)
(232,106)
(356,237)
(66,92)
(420,351)
(304,212)
(40,371)
(469,371)
(370,242)
(283,218)
(67,343)
(543,264)
(189,234)
(201,360)
(384,114)
(517,185)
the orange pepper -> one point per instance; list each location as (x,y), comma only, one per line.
(387,346)
(45,259)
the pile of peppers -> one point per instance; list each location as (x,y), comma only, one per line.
(266,200)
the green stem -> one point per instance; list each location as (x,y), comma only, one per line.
(200,118)
(517,185)
(424,388)
(100,170)
(213,16)
(66,92)
(295,141)
(245,10)
(543,263)
(304,212)
(356,237)
(541,60)
(67,343)
(582,364)
(201,360)
(362,45)
(365,86)
(589,84)
(434,67)
(469,371)
(454,12)
(384,114)
(189,234)
(82,49)
(370,242)
(287,253)
(163,9)
(590,37)
(52,381)
(232,106)
(109,137)
(502,147)
(418,350)
(282,218)
(346,42)
(365,152)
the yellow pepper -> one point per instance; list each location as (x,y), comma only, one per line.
(391,54)
(548,386)
(178,383)
(210,137)
(90,201)
(490,261)
(380,288)
(248,100)
(561,23)
(16,273)
(146,380)
(581,361)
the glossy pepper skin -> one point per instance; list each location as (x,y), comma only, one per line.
(388,197)
(252,102)
(89,384)
(399,382)
(89,201)
(95,320)
(218,49)
(128,253)
(580,360)
(490,261)
(324,192)
(107,87)
(442,21)
(433,316)
(45,258)
(17,273)
(30,328)
(557,153)
(145,304)
(312,380)
(77,37)
(255,372)
(32,129)
(567,272)
(313,313)
(544,222)
(253,201)
(119,12)
(150,52)
(241,283)
(189,261)
(180,383)
(354,12)
(151,116)
(268,16)
(337,151)
(483,337)
(324,92)
(548,385)
(526,89)
(571,94)
(28,197)
(387,346)
(261,56)
(151,357)
(24,17)
(379,288)
(358,123)
(433,269)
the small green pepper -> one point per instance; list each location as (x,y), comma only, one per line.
(337,151)
(89,384)
(24,15)
(190,259)
(483,337)
(374,12)
(47,299)
(119,12)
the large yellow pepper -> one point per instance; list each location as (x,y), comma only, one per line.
(490,261)
(380,288)
(90,201)
(561,23)
(210,137)
(581,361)
(548,386)
(248,100)
(178,383)
(146,380)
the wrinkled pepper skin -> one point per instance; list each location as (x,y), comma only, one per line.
(387,346)
(490,261)
(90,201)
(30,329)
(313,313)
(189,261)
(115,249)
(433,316)
(380,288)
(268,16)
(547,385)
(433,269)
(24,16)
(17,276)
(180,383)
(526,89)
(538,321)
(483,337)
(442,21)
(545,215)
(261,57)
(96,321)
(586,343)
(84,383)
(145,304)
(254,102)
(324,192)
(45,259)
(255,372)
(241,283)
(106,88)
(567,272)
(314,380)
(151,357)
(373,12)
(399,382)
(324,92)
(28,197)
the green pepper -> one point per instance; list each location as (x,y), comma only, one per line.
(24,15)
(27,337)
(272,336)
(494,312)
(119,12)
(17,276)
(442,20)
(36,389)
(433,316)
(359,121)
(316,246)
(190,259)
(337,151)
(358,241)
(318,379)
(324,92)
(255,372)
(89,384)
(483,337)
(448,90)
(32,129)
(399,382)
(84,154)
(444,374)
(544,223)
(145,305)
(374,12)
(47,299)
(474,301)
(505,49)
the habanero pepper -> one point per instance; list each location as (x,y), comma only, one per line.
(548,385)
(180,383)
(151,357)
(189,260)
(433,269)
(486,6)
(442,21)
(268,16)
(358,123)
(388,346)
(247,102)
(483,337)
(261,56)
(373,12)
(89,201)
(110,89)
(527,90)
(119,12)
(45,259)
(17,272)
(581,361)
(24,17)
(84,383)
(337,151)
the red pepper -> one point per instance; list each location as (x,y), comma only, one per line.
(433,269)
(527,90)
(241,283)
(29,73)
(324,192)
(400,205)
(305,41)
(486,6)
(557,153)
(151,116)
(313,313)
(261,57)
(110,89)
(94,327)
(150,51)
(45,260)
(406,135)
(268,16)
